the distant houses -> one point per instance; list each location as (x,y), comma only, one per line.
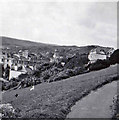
(5,59)
(57,58)
(27,61)
(19,62)
(99,53)
(22,59)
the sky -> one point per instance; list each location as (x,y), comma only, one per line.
(60,22)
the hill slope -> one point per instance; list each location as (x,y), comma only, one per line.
(7,41)
(54,100)
(12,43)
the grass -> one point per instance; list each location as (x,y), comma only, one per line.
(54,100)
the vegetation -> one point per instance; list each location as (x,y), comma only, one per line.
(114,57)
(117,108)
(7,111)
(99,64)
(55,99)
(50,72)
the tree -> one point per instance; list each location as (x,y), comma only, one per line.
(114,58)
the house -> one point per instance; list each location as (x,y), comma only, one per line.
(6,60)
(25,53)
(96,54)
(99,53)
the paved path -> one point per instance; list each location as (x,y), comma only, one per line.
(96,104)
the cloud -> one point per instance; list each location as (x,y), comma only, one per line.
(64,23)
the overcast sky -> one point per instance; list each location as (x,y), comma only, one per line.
(63,23)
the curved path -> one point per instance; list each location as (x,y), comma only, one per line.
(96,104)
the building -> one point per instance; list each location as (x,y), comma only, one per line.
(25,53)
(4,59)
(99,53)
(96,54)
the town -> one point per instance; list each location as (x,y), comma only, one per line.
(59,59)
(24,61)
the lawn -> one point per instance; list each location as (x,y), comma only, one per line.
(54,100)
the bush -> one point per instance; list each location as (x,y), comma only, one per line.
(37,73)
(67,73)
(22,76)
(114,58)
(61,75)
(99,64)
(77,61)
(79,70)
(7,111)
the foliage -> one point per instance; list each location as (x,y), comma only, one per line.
(114,58)
(99,64)
(7,111)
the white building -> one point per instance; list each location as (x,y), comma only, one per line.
(99,53)
(96,54)
(25,53)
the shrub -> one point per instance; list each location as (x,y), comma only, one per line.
(77,61)
(114,58)
(22,76)
(37,73)
(99,64)
(60,75)
(79,70)
(7,111)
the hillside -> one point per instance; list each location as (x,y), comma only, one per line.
(7,41)
(54,100)
(47,67)
(53,96)
(16,44)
